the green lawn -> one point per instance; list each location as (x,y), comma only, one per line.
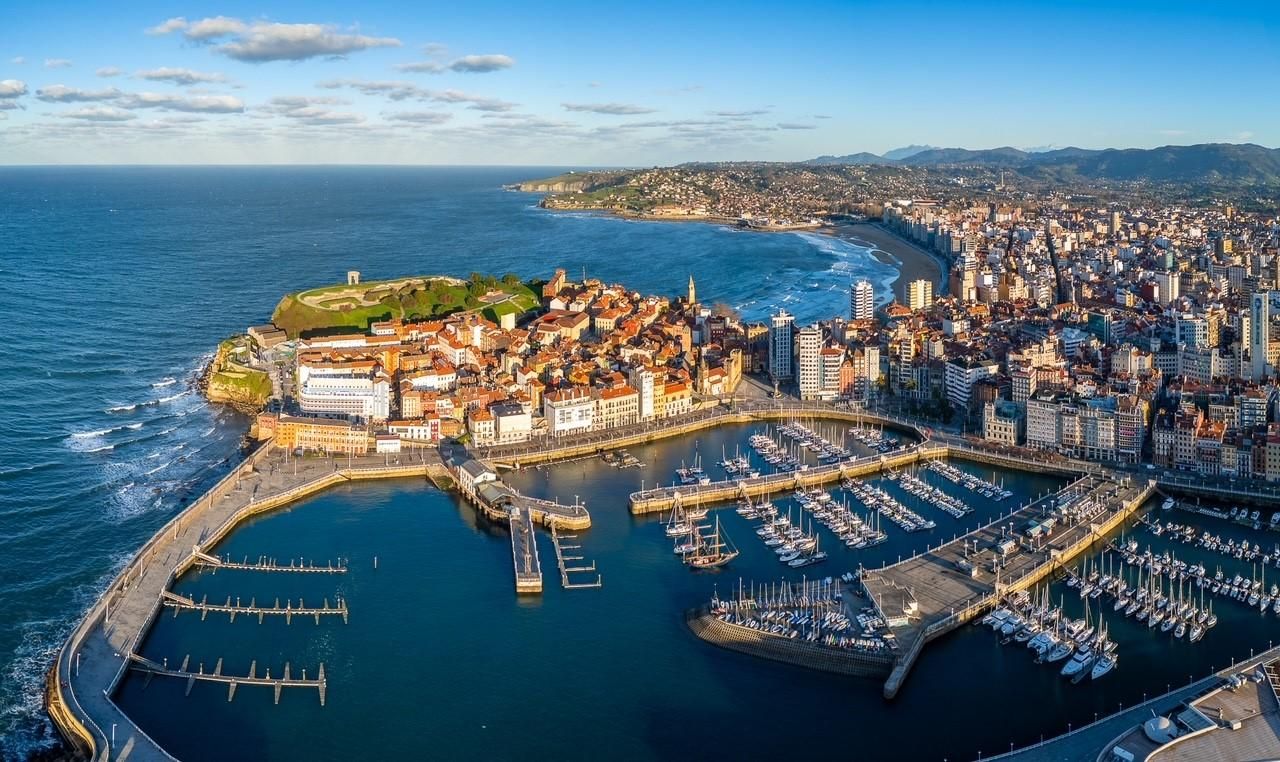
(425,299)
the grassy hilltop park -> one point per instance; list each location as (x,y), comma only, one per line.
(353,307)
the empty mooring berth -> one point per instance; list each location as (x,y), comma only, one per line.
(563,559)
(264,564)
(252,609)
(277,684)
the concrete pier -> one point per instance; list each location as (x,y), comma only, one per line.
(928,595)
(524,553)
(665,498)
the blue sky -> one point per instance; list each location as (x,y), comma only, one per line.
(614,84)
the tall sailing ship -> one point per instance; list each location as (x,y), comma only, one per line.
(713,550)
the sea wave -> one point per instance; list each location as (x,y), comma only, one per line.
(24,723)
(17,472)
(104,432)
(158,468)
(167,381)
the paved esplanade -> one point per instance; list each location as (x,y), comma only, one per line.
(92,663)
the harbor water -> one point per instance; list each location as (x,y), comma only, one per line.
(439,640)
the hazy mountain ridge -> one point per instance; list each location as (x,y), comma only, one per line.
(1214,162)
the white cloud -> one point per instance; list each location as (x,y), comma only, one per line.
(477,102)
(208,104)
(482,63)
(18,60)
(311,110)
(203,104)
(99,114)
(184,77)
(166,27)
(12,88)
(421,67)
(108,71)
(56,63)
(64,94)
(263,41)
(435,48)
(403,91)
(795,126)
(746,114)
(477,64)
(420,117)
(213,28)
(612,109)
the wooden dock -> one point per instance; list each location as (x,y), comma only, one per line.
(288,610)
(524,552)
(264,564)
(562,561)
(278,684)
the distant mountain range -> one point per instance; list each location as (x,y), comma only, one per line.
(1206,162)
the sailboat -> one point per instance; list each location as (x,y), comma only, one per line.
(678,525)
(713,551)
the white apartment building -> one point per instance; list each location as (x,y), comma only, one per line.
(862,300)
(512,423)
(569,410)
(962,374)
(642,380)
(352,393)
(781,344)
(809,362)
(919,294)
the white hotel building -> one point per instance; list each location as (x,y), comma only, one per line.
(347,392)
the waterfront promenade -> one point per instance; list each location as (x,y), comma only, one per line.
(548,449)
(94,659)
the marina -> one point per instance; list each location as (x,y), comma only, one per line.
(636,542)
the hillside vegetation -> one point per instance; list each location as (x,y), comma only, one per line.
(1206,162)
(335,309)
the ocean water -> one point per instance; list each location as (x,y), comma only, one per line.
(118,282)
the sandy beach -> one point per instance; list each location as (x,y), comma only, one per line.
(913,261)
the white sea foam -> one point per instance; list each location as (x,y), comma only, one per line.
(158,468)
(167,381)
